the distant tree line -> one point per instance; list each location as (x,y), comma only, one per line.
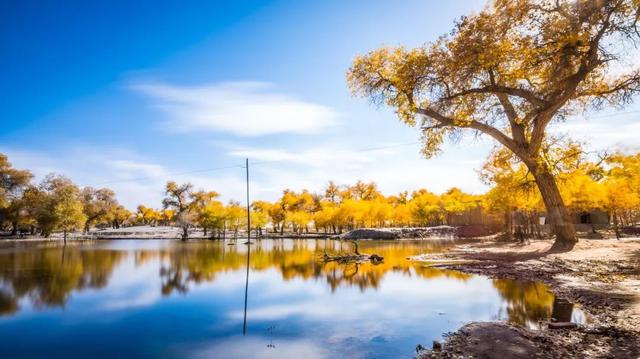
(55,204)
(610,184)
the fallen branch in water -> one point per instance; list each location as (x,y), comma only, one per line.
(356,257)
(349,258)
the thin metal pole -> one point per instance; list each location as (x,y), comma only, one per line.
(248,207)
(246,287)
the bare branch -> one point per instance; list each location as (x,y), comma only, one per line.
(498,89)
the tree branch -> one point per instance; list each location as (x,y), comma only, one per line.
(503,139)
(517,129)
(499,89)
(589,62)
(626,84)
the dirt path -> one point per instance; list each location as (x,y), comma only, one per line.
(603,276)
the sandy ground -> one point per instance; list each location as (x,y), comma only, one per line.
(603,276)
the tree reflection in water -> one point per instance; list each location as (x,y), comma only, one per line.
(562,310)
(297,259)
(526,302)
(48,275)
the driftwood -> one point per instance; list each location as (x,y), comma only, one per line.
(356,257)
(350,258)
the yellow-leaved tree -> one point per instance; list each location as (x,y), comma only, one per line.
(622,189)
(509,72)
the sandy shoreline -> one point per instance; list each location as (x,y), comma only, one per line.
(602,276)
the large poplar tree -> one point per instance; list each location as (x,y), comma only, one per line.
(509,72)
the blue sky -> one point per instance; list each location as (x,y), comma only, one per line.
(109,91)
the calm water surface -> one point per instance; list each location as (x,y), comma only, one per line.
(166,299)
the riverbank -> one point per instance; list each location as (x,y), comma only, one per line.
(158,232)
(170,232)
(601,276)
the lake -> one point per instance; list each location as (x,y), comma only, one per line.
(172,299)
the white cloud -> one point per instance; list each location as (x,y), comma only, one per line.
(132,286)
(613,132)
(312,156)
(135,179)
(393,168)
(240,108)
(148,169)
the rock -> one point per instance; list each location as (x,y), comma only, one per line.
(370,233)
(447,232)
(485,340)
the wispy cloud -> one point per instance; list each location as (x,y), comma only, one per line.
(139,168)
(609,131)
(240,108)
(317,156)
(133,177)
(394,168)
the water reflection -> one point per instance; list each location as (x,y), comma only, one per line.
(563,310)
(316,307)
(48,275)
(298,259)
(526,303)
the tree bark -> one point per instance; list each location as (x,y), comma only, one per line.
(559,217)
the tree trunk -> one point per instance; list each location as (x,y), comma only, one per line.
(508,219)
(559,217)
(355,244)
(616,227)
(65,237)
